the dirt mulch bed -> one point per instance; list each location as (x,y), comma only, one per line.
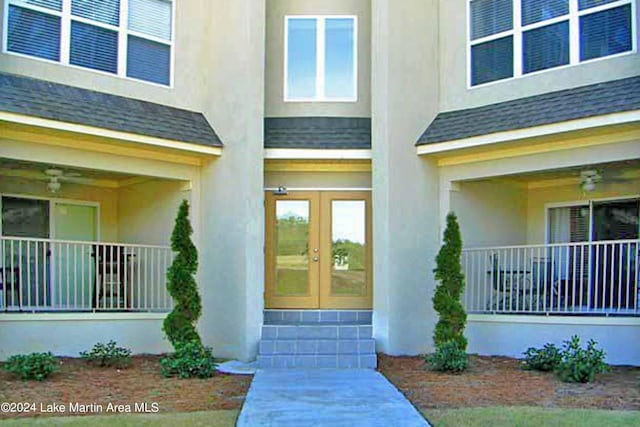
(500,381)
(141,382)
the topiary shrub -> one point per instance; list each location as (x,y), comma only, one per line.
(446,301)
(108,355)
(190,360)
(179,325)
(581,365)
(34,366)
(448,357)
(542,359)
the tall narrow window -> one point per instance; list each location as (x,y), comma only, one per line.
(320,58)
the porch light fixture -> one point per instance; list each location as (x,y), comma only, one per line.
(588,180)
(54,174)
(281,191)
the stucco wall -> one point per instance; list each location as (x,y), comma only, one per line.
(146,211)
(490,213)
(192,25)
(512,335)
(67,335)
(538,198)
(274,72)
(405,187)
(308,180)
(106,197)
(453,69)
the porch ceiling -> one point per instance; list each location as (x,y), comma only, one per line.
(83,176)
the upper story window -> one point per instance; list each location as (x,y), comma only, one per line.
(129,38)
(510,38)
(320,58)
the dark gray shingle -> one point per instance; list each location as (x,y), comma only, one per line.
(577,103)
(317,132)
(54,101)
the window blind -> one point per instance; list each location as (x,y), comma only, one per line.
(33,33)
(586,4)
(94,47)
(490,17)
(148,60)
(492,60)
(545,47)
(605,33)
(151,17)
(105,11)
(48,4)
(540,10)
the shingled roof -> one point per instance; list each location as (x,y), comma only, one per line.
(317,132)
(54,101)
(577,103)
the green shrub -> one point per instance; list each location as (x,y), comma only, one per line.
(108,355)
(578,364)
(446,300)
(448,357)
(542,359)
(179,325)
(190,360)
(34,366)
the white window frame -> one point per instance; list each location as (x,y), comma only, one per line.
(320,58)
(573,17)
(65,38)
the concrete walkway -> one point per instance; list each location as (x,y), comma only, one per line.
(326,397)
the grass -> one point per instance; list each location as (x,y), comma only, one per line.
(530,417)
(188,419)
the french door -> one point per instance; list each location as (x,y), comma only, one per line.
(318,250)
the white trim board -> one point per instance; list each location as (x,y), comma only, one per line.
(107,133)
(316,154)
(531,132)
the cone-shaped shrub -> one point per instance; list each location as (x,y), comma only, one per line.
(446,301)
(179,325)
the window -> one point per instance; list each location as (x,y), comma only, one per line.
(511,38)
(320,58)
(128,38)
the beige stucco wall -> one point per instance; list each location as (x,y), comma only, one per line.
(274,72)
(405,187)
(107,199)
(453,69)
(490,213)
(192,19)
(538,198)
(319,180)
(146,211)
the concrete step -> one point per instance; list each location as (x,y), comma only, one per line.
(318,361)
(317,332)
(316,347)
(287,317)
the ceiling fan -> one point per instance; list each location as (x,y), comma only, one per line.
(56,175)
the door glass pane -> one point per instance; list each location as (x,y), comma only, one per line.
(348,234)
(292,247)
(25,261)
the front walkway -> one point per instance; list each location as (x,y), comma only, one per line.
(326,397)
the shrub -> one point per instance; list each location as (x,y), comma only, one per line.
(190,360)
(578,364)
(542,359)
(108,355)
(446,301)
(34,366)
(448,357)
(179,325)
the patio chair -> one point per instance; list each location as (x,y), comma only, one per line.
(110,278)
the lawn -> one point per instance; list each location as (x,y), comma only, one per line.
(531,417)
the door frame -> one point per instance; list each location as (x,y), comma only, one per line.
(320,243)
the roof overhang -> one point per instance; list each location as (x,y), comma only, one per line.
(143,140)
(528,133)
